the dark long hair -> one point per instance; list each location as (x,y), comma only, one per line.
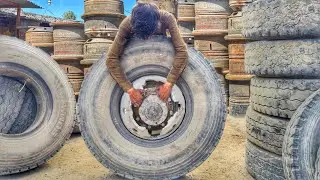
(144,19)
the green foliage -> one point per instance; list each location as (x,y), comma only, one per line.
(69,15)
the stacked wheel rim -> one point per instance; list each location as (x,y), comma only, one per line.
(41,37)
(211,25)
(101,22)
(238,79)
(186,20)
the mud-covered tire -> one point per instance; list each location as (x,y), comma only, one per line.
(280,97)
(262,164)
(281,19)
(35,75)
(266,131)
(285,58)
(302,141)
(172,156)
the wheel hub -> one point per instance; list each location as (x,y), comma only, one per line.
(154,119)
(153,111)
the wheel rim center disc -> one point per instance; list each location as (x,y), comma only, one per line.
(153,111)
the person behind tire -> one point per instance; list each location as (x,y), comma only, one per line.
(147,20)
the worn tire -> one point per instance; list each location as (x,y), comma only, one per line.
(302,141)
(31,144)
(281,19)
(262,164)
(280,97)
(286,58)
(166,158)
(317,175)
(17,119)
(265,131)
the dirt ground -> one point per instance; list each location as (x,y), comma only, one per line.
(75,162)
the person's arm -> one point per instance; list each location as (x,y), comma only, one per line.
(116,49)
(181,56)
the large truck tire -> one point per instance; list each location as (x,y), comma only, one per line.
(280,97)
(281,19)
(37,106)
(266,131)
(286,58)
(262,164)
(183,144)
(302,141)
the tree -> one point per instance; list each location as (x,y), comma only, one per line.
(69,15)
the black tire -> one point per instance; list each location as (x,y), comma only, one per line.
(280,97)
(265,131)
(302,141)
(262,164)
(287,58)
(281,19)
(36,133)
(172,156)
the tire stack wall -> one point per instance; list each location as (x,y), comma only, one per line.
(239,81)
(41,37)
(186,20)
(283,53)
(211,25)
(101,22)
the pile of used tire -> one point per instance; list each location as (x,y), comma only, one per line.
(283,122)
(37,106)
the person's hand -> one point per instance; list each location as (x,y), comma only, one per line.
(135,96)
(164,91)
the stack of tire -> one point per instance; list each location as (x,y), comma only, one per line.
(41,37)
(211,25)
(101,22)
(239,81)
(186,20)
(284,56)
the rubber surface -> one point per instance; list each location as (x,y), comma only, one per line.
(54,117)
(302,141)
(285,58)
(262,164)
(167,158)
(281,19)
(266,131)
(280,97)
(17,108)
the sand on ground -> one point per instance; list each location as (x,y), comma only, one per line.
(75,162)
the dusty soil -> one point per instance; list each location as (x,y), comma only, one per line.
(74,161)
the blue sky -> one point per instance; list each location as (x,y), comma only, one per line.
(58,7)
